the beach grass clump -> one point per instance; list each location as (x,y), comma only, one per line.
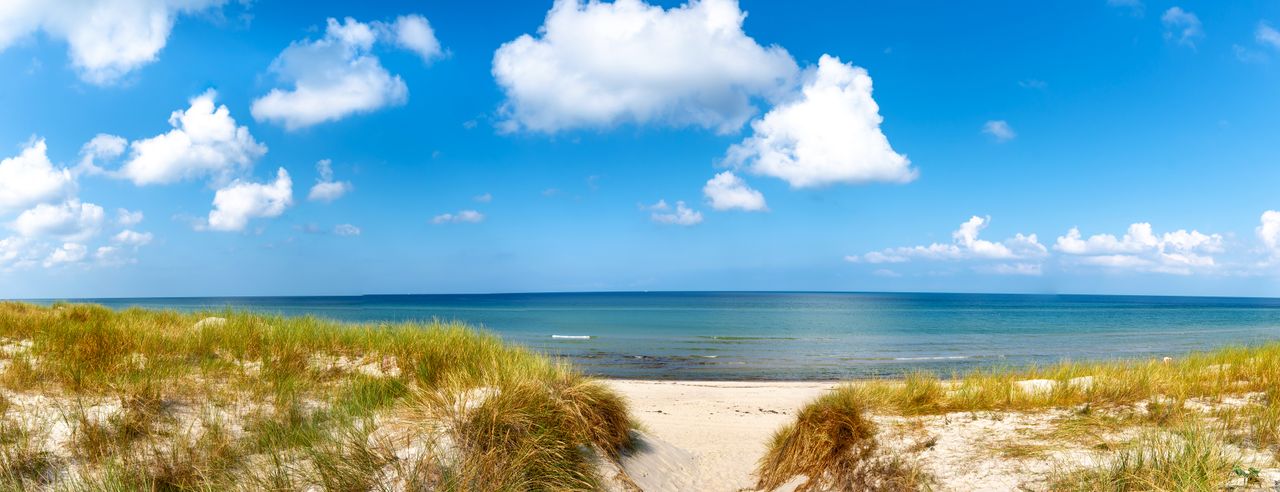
(526,434)
(226,399)
(832,446)
(1193,458)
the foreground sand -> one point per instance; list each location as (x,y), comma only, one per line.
(708,435)
(722,425)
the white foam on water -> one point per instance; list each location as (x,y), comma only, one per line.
(945,357)
(572,337)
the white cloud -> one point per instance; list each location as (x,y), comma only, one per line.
(128,218)
(133,238)
(1182,26)
(67,253)
(326,189)
(726,191)
(102,147)
(337,75)
(414,33)
(999,129)
(14,250)
(71,221)
(965,245)
(346,230)
(830,134)
(106,39)
(30,178)
(204,141)
(240,201)
(465,216)
(1141,249)
(600,64)
(1269,232)
(682,215)
(1267,36)
(483,198)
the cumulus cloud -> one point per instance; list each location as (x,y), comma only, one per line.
(1182,27)
(237,203)
(483,198)
(999,130)
(682,215)
(128,218)
(966,245)
(14,252)
(67,253)
(1141,249)
(106,39)
(204,141)
(326,189)
(414,33)
(337,75)
(30,178)
(727,191)
(465,216)
(346,230)
(829,134)
(1269,232)
(132,238)
(598,64)
(102,147)
(70,221)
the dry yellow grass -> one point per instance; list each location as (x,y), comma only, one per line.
(160,400)
(1192,414)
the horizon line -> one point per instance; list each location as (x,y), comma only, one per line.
(605,292)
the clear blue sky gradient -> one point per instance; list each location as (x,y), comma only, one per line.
(1127,126)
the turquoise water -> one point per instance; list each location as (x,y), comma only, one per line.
(734,335)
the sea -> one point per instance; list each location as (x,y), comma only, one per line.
(802,335)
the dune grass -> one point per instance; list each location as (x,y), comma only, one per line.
(1208,375)
(162,400)
(1192,458)
(832,446)
(1192,413)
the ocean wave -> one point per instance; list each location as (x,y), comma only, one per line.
(743,339)
(940,357)
(572,337)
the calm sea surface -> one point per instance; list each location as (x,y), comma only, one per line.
(735,335)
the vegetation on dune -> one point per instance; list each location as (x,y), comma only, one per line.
(162,400)
(1187,459)
(1211,375)
(832,445)
(1194,418)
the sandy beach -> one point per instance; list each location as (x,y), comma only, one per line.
(722,425)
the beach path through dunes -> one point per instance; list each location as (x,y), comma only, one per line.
(722,425)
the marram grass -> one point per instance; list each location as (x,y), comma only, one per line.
(832,442)
(157,400)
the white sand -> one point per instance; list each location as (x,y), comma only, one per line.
(722,426)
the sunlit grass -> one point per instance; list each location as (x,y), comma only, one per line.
(162,400)
(1208,375)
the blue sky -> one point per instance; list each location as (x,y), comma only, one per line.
(633,146)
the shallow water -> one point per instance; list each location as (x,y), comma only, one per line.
(734,335)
